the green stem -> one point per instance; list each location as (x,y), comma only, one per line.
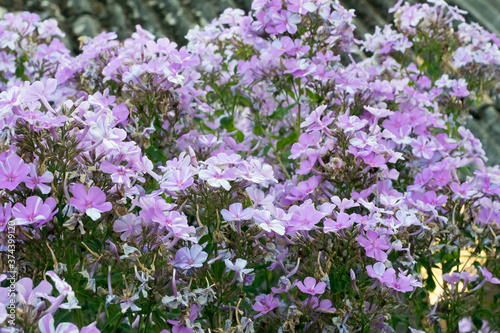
(118,324)
(282,165)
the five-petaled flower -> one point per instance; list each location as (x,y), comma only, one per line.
(374,245)
(309,286)
(13,171)
(35,211)
(92,203)
(264,304)
(186,258)
(238,267)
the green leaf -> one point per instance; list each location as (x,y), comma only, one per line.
(204,239)
(95,245)
(158,317)
(430,285)
(19,71)
(477,320)
(202,124)
(292,138)
(239,136)
(218,269)
(316,98)
(155,154)
(281,112)
(257,130)
(267,148)
(434,70)
(111,319)
(227,123)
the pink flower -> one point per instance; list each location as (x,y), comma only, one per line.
(264,304)
(286,21)
(411,16)
(309,286)
(379,272)
(237,213)
(373,160)
(301,6)
(441,177)
(374,245)
(304,217)
(306,140)
(325,306)
(119,174)
(350,123)
(432,199)
(65,291)
(5,215)
(217,177)
(34,211)
(459,89)
(462,57)
(488,276)
(462,191)
(423,148)
(13,171)
(263,219)
(36,181)
(238,267)
(92,203)
(343,221)
(39,91)
(258,197)
(178,180)
(129,225)
(187,258)
(403,283)
(47,325)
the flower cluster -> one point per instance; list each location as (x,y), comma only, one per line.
(274,174)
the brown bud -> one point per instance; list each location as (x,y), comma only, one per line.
(218,237)
(121,211)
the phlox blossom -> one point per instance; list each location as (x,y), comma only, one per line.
(309,286)
(264,304)
(35,211)
(237,213)
(374,245)
(92,203)
(13,171)
(186,258)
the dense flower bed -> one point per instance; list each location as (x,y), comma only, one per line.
(275,175)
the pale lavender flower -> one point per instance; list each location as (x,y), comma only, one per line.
(264,304)
(128,225)
(92,203)
(309,286)
(35,181)
(186,258)
(35,211)
(238,267)
(237,213)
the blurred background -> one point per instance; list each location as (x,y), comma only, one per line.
(173,19)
